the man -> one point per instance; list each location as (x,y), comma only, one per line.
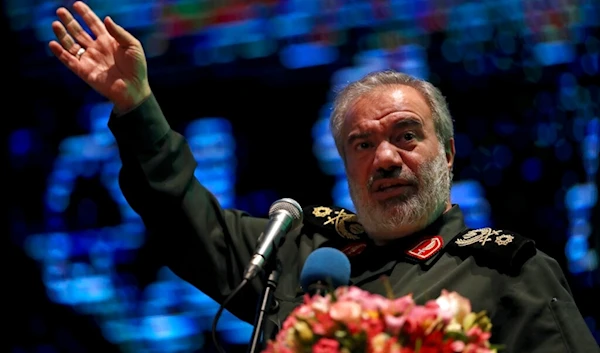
(395,136)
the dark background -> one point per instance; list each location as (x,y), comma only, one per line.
(521,78)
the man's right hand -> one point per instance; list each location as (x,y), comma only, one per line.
(113,63)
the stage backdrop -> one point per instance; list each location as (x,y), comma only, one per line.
(250,83)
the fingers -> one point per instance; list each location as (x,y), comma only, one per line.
(73,27)
(90,18)
(64,38)
(123,37)
(64,56)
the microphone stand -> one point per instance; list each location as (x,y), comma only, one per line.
(256,341)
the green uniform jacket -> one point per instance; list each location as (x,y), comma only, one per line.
(522,289)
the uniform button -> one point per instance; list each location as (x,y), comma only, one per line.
(274,306)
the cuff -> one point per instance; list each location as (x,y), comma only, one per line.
(140,129)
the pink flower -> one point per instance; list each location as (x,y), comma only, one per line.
(376,303)
(326,345)
(289,322)
(345,311)
(323,325)
(394,323)
(320,304)
(383,325)
(304,312)
(457,346)
(453,306)
(419,319)
(401,305)
(477,336)
(354,294)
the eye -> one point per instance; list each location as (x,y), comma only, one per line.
(363,146)
(408,136)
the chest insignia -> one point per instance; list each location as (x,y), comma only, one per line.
(354,249)
(426,248)
(496,248)
(343,222)
(484,235)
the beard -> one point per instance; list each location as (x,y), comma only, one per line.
(418,207)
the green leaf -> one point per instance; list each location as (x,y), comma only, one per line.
(340,334)
(389,291)
(418,344)
(458,336)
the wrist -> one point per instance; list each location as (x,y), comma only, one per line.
(123,106)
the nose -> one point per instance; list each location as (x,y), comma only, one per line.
(387,157)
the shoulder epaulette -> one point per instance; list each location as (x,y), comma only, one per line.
(334,222)
(501,249)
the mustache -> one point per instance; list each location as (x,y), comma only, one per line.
(392,174)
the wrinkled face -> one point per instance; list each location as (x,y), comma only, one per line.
(398,171)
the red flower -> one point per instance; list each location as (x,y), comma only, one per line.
(291,321)
(436,338)
(435,343)
(381,325)
(372,327)
(324,324)
(477,336)
(418,320)
(326,345)
(430,349)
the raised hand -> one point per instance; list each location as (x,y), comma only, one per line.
(113,63)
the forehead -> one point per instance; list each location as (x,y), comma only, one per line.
(387,102)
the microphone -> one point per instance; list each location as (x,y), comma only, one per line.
(325,269)
(285,215)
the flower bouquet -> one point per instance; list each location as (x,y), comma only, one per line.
(350,320)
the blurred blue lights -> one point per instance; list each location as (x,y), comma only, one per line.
(172,314)
(531,169)
(20,142)
(297,56)
(554,53)
(470,195)
(213,145)
(580,200)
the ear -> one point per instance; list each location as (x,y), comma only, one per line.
(450,153)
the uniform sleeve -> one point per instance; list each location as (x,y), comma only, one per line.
(202,243)
(538,314)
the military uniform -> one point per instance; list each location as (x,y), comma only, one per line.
(521,288)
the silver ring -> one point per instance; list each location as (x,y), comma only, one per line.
(80,53)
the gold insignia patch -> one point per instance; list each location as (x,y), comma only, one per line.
(321,211)
(504,239)
(346,224)
(343,222)
(484,235)
(500,249)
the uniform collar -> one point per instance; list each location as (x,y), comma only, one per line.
(427,245)
(424,247)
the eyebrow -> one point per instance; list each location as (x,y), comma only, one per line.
(399,125)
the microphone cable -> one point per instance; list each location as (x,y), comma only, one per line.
(220,312)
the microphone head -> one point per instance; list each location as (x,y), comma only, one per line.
(326,265)
(290,206)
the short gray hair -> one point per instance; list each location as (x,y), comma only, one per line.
(437,103)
